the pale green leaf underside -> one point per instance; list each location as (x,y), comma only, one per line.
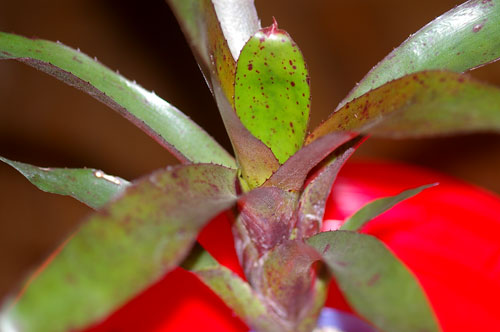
(122,249)
(377,207)
(375,283)
(272,94)
(423,104)
(90,186)
(464,38)
(162,121)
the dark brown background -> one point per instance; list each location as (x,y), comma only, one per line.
(44,122)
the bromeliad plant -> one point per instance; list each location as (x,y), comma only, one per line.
(276,188)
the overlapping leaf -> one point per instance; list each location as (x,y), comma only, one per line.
(90,186)
(423,104)
(375,283)
(272,93)
(203,31)
(123,249)
(464,38)
(377,207)
(292,174)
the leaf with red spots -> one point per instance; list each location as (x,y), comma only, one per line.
(162,121)
(423,104)
(462,39)
(375,282)
(90,186)
(272,93)
(206,34)
(123,249)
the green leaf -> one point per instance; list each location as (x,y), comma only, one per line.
(233,290)
(464,38)
(123,249)
(162,121)
(375,283)
(272,93)
(379,206)
(201,26)
(423,104)
(90,186)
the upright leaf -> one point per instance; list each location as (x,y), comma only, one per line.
(377,207)
(205,35)
(162,121)
(122,249)
(272,93)
(423,104)
(312,202)
(464,38)
(90,186)
(375,283)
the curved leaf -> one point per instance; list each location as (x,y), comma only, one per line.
(122,249)
(203,31)
(419,105)
(376,284)
(463,38)
(272,94)
(162,121)
(233,290)
(377,207)
(90,186)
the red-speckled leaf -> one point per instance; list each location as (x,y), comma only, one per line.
(287,283)
(313,199)
(292,174)
(464,38)
(233,290)
(162,121)
(375,282)
(205,35)
(122,249)
(420,105)
(272,93)
(90,186)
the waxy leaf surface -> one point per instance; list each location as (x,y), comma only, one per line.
(272,94)
(162,121)
(375,283)
(464,38)
(233,290)
(205,35)
(90,186)
(377,207)
(423,104)
(122,249)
